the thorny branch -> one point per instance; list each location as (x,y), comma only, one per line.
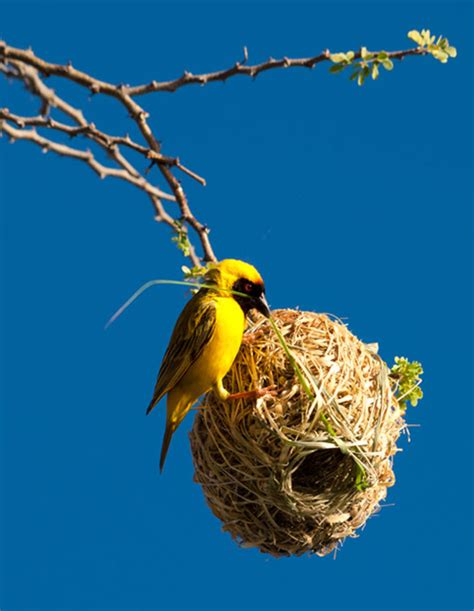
(24,65)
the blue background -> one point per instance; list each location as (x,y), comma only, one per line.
(354,201)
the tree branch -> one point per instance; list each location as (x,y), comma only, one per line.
(24,65)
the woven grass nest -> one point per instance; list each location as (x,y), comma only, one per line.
(290,474)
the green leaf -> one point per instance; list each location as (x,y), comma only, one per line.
(361,478)
(354,75)
(361,78)
(363,52)
(387,64)
(440,55)
(338,57)
(427,38)
(375,71)
(350,55)
(382,55)
(337,68)
(451,51)
(416,36)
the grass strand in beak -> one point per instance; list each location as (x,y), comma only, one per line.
(150,283)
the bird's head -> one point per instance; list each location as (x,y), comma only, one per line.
(231,274)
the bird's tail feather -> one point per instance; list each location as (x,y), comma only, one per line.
(166,443)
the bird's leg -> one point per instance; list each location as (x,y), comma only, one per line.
(222,393)
(253,394)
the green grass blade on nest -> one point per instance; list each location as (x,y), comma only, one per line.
(361,482)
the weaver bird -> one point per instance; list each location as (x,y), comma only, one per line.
(206,340)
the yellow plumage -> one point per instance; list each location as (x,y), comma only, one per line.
(206,340)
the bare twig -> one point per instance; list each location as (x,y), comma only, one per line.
(83,155)
(90,131)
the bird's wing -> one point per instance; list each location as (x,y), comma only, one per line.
(192,332)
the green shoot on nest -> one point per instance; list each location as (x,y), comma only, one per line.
(407,376)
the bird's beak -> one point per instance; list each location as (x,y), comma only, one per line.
(262,306)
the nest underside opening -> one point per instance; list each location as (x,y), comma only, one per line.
(286,473)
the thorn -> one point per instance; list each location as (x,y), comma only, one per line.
(246,55)
(152,163)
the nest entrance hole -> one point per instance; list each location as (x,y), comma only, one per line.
(324,471)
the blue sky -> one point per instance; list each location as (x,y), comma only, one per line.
(354,201)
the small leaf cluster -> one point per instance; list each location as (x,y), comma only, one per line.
(407,376)
(181,238)
(368,65)
(193,273)
(440,50)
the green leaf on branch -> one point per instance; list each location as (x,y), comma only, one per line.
(342,57)
(416,36)
(181,238)
(193,273)
(337,68)
(441,50)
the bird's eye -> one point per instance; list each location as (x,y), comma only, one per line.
(248,287)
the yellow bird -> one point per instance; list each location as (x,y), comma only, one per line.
(206,340)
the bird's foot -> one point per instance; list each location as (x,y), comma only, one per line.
(254,394)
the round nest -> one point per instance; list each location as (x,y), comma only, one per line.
(290,473)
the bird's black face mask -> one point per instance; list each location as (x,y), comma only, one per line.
(256,296)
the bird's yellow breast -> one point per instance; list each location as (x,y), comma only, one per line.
(218,355)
